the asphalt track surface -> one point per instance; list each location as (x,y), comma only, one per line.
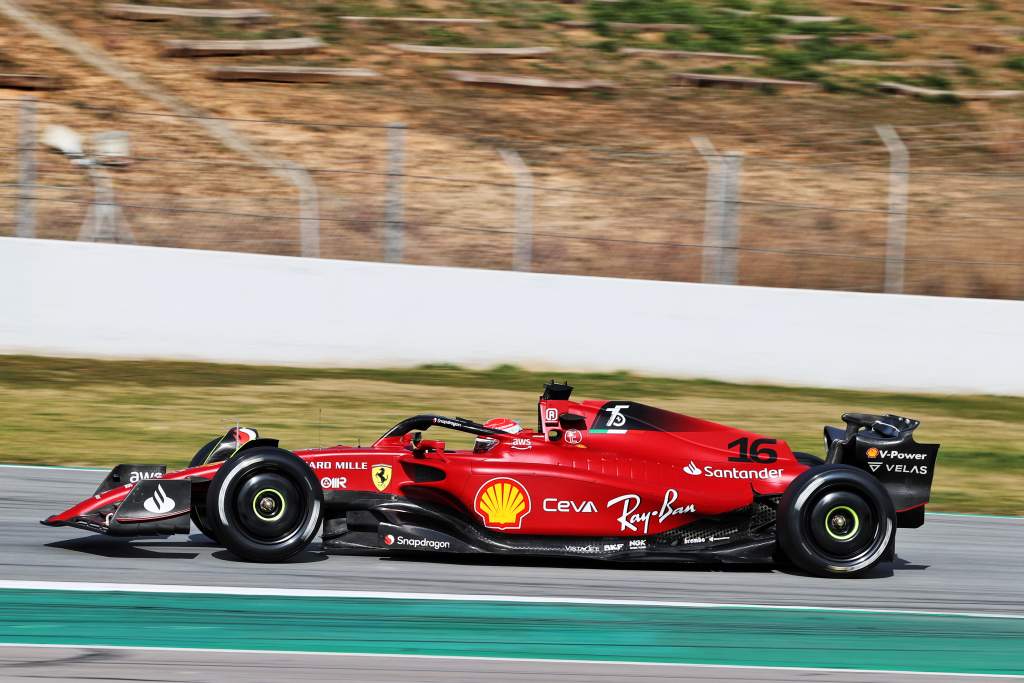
(952,564)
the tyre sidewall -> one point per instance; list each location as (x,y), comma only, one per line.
(796,542)
(198,512)
(221,513)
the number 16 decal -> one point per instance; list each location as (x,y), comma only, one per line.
(757,451)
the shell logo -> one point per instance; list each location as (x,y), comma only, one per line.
(872,452)
(502,503)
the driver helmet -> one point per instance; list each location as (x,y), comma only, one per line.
(484,443)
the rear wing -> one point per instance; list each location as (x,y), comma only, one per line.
(884,446)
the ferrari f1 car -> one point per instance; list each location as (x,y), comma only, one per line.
(610,480)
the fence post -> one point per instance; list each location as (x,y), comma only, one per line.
(394,223)
(26,167)
(721,208)
(728,271)
(524,209)
(899,180)
(104,220)
(309,213)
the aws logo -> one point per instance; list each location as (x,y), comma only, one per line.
(502,503)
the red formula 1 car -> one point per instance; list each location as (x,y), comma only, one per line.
(614,480)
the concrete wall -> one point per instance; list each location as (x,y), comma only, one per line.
(78,299)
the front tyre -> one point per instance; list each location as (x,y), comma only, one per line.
(835,520)
(265,505)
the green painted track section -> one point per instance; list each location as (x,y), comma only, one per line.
(697,635)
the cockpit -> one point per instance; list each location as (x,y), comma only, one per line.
(410,431)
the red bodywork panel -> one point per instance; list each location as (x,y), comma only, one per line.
(628,469)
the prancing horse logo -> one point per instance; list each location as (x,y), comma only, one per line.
(381,476)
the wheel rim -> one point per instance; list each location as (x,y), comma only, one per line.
(842,525)
(269,507)
(842,522)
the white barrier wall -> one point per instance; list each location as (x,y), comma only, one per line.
(96,300)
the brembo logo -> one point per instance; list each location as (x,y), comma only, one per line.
(159,503)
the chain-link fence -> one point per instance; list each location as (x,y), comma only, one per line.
(940,219)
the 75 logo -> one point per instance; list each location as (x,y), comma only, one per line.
(615,417)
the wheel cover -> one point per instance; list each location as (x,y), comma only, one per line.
(842,522)
(842,525)
(269,507)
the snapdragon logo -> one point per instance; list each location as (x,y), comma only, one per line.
(420,543)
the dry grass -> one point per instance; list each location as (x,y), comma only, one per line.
(68,412)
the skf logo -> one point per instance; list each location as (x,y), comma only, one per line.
(502,503)
(872,452)
(381,476)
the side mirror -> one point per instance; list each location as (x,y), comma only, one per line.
(572,421)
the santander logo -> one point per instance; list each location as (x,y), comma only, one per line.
(692,469)
(159,502)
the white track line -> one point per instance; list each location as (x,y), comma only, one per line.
(452,597)
(973,515)
(512,659)
(55,468)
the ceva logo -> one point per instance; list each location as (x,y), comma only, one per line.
(159,503)
(692,469)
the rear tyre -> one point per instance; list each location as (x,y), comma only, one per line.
(835,520)
(265,505)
